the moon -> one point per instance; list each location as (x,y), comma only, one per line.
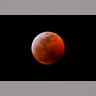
(48,48)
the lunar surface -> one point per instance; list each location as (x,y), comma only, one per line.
(48,48)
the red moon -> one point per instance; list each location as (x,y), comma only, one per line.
(48,48)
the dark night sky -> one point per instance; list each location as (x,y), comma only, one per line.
(17,62)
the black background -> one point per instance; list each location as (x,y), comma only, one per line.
(17,62)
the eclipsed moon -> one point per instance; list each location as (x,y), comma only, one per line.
(48,48)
